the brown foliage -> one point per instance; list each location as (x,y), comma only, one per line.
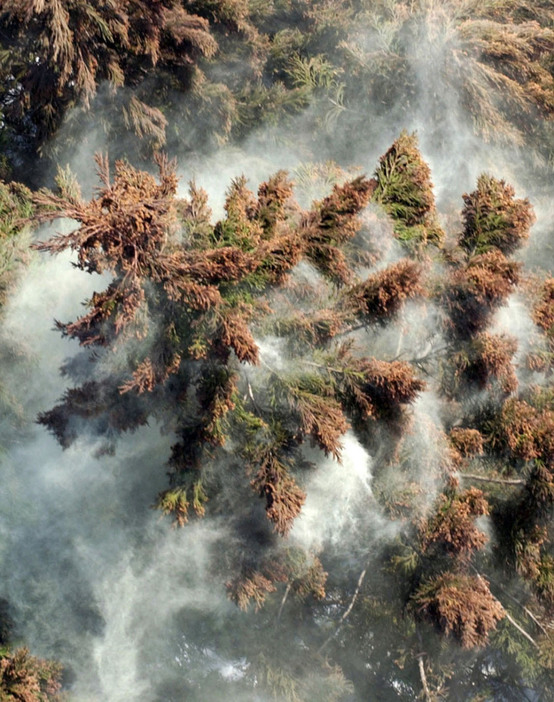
(388,385)
(526,432)
(273,199)
(124,229)
(475,291)
(313,329)
(251,586)
(367,387)
(459,605)
(506,73)
(381,296)
(452,526)
(233,333)
(487,357)
(203,285)
(311,581)
(322,419)
(334,223)
(284,499)
(24,678)
(543,311)
(63,49)
(148,375)
(336,211)
(305,576)
(468,442)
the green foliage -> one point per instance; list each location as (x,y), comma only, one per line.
(404,189)
(15,208)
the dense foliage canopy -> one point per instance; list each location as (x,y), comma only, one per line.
(327,323)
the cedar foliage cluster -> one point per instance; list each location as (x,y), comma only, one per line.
(61,51)
(205,288)
(24,678)
(493,219)
(461,606)
(495,224)
(488,426)
(452,525)
(496,54)
(381,296)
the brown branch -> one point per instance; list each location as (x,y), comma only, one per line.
(524,608)
(329,369)
(428,356)
(251,395)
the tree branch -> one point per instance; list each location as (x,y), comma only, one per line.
(347,611)
(423,677)
(484,479)
(522,631)
(283,601)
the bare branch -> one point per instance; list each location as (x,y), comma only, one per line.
(485,479)
(522,631)
(283,601)
(423,677)
(346,612)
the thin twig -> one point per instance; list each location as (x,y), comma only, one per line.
(525,609)
(251,395)
(329,369)
(428,356)
(347,611)
(283,601)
